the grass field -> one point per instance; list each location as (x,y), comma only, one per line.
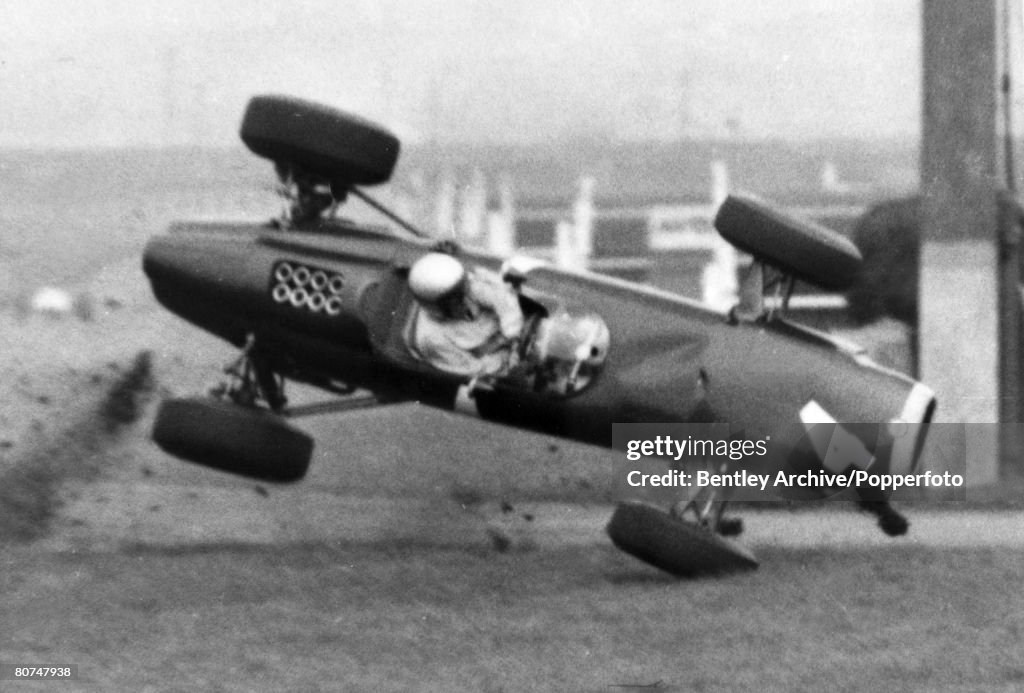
(351,617)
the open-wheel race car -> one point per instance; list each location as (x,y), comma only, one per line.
(314,298)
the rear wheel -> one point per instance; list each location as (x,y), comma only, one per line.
(677,547)
(321,140)
(231,438)
(798,247)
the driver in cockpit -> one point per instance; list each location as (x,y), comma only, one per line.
(470,320)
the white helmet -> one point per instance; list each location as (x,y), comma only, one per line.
(434,276)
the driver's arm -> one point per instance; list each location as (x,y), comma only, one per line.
(491,292)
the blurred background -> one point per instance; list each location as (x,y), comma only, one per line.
(625,122)
(119,73)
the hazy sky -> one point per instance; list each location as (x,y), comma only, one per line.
(114,72)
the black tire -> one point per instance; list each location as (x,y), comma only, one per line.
(806,250)
(321,140)
(677,547)
(225,436)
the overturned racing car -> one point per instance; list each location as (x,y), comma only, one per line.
(311,297)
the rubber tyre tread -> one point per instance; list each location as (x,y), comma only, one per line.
(675,546)
(808,251)
(322,140)
(228,437)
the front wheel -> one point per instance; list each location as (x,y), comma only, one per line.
(675,546)
(231,438)
(796,246)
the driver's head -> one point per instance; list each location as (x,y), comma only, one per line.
(438,282)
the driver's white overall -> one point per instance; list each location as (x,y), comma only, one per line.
(477,343)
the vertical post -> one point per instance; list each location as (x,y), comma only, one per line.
(473,208)
(719,183)
(960,170)
(583,218)
(1011,333)
(501,222)
(720,286)
(1011,297)
(444,207)
(567,254)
